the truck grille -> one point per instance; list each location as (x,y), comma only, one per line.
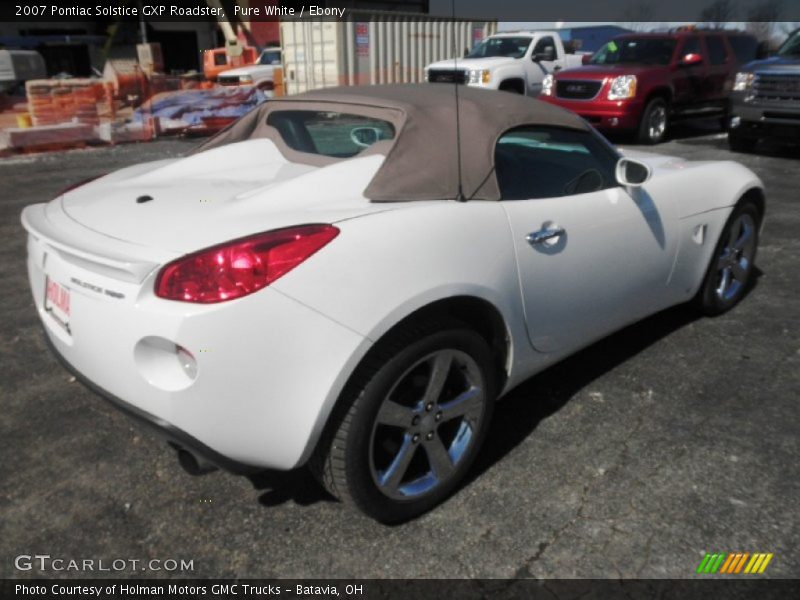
(578,90)
(233,80)
(447,76)
(772,86)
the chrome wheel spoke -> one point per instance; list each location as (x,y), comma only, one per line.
(463,404)
(724,281)
(394,414)
(744,238)
(393,475)
(439,459)
(440,369)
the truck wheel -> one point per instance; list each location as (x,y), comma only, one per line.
(410,422)
(739,143)
(654,123)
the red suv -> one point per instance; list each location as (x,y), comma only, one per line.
(642,82)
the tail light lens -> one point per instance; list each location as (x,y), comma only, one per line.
(240,267)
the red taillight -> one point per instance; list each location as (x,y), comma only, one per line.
(240,267)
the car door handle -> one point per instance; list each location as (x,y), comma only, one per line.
(543,235)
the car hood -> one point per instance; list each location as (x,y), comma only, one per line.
(603,71)
(185,204)
(472,63)
(782,64)
(249,70)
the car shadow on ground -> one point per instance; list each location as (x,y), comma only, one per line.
(520,412)
(709,134)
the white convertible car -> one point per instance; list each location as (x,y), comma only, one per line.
(330,282)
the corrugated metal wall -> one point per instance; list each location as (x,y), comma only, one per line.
(371,48)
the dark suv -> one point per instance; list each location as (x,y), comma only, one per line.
(765,102)
(642,82)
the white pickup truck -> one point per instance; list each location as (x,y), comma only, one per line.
(260,74)
(513,61)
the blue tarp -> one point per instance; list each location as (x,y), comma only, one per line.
(192,106)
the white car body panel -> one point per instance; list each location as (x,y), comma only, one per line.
(224,193)
(272,364)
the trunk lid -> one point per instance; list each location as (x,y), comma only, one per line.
(191,203)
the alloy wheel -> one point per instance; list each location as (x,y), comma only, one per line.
(426,424)
(736,258)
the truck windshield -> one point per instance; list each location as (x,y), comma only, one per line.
(512,47)
(270,58)
(791,47)
(636,51)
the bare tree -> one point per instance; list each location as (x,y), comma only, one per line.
(762,19)
(640,16)
(718,14)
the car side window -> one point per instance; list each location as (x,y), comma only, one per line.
(716,50)
(548,162)
(744,47)
(691,45)
(542,44)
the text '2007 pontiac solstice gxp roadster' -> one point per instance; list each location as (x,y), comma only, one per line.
(348,279)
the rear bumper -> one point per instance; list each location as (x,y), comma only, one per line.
(166,430)
(268,369)
(606,115)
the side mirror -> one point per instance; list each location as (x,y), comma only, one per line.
(631,172)
(466,52)
(691,60)
(548,54)
(364,137)
(586,59)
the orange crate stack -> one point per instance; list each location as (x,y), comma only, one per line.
(54,101)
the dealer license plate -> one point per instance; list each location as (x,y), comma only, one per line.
(56,303)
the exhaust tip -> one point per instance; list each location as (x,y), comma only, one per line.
(194,465)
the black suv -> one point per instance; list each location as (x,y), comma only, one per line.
(765,101)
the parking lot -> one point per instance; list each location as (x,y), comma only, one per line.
(675,437)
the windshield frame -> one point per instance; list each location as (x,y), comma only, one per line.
(666,39)
(792,40)
(488,40)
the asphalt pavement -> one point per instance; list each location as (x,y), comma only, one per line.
(675,437)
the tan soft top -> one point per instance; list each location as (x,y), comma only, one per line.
(421,163)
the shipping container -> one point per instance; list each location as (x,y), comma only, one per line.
(371,48)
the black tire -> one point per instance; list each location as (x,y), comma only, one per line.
(345,459)
(739,143)
(710,300)
(647,134)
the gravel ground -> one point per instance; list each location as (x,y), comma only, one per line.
(675,437)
